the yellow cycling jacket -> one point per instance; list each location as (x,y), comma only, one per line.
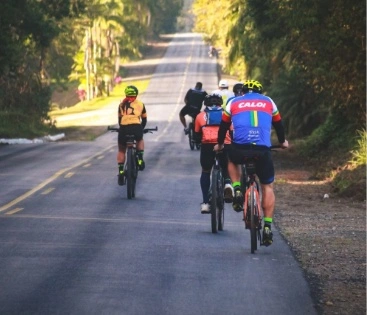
(131,112)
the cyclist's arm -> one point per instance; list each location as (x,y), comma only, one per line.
(119,115)
(187,96)
(279,129)
(143,117)
(223,128)
(197,130)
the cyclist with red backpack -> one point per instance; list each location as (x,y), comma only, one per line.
(206,130)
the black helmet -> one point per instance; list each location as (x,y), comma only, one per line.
(213,100)
(237,88)
(252,85)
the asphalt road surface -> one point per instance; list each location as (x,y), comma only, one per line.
(72,243)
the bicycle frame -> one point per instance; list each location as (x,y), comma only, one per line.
(131,161)
(252,210)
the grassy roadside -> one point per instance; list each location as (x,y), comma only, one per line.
(78,129)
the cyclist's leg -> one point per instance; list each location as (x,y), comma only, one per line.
(138,132)
(265,172)
(228,189)
(182,114)
(206,161)
(121,155)
(234,170)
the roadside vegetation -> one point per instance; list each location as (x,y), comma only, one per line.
(310,57)
(48,46)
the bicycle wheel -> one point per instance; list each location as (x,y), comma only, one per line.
(220,201)
(213,201)
(134,173)
(129,174)
(191,136)
(254,226)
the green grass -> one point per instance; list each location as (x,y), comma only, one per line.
(115,96)
(360,152)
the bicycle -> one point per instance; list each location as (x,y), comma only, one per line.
(191,129)
(131,161)
(217,196)
(252,209)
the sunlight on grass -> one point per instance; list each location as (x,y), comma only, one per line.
(98,103)
(360,152)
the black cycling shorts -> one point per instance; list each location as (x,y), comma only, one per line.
(263,163)
(189,110)
(135,129)
(207,157)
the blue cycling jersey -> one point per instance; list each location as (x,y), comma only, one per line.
(252,115)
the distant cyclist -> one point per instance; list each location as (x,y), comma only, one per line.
(206,130)
(132,118)
(194,99)
(237,91)
(252,117)
(223,91)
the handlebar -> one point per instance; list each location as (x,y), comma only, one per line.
(145,130)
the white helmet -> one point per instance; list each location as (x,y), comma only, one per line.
(223,84)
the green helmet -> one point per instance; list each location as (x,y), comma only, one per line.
(131,91)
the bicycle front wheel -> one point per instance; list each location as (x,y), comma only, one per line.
(191,136)
(130,181)
(213,201)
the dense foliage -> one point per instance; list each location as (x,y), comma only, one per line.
(54,41)
(309,55)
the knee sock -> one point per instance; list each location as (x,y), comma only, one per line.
(236,185)
(267,222)
(121,168)
(140,154)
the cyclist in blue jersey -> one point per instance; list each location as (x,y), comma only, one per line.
(252,116)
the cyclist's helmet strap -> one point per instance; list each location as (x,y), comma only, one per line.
(213,100)
(131,90)
(253,86)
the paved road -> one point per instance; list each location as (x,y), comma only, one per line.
(72,243)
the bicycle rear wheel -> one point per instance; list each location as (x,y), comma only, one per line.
(254,226)
(130,185)
(220,200)
(213,201)
(134,173)
(191,136)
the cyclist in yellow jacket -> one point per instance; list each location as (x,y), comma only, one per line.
(132,118)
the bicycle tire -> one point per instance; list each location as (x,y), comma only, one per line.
(220,201)
(213,201)
(253,227)
(129,174)
(191,136)
(134,173)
